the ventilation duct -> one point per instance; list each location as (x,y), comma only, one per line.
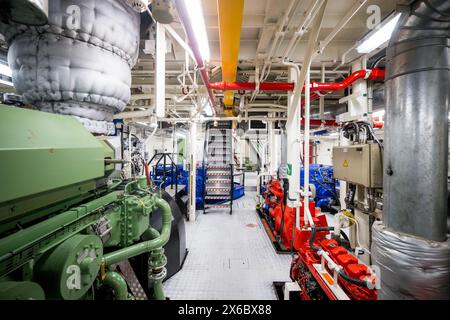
(78,64)
(411,247)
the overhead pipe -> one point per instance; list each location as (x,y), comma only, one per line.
(373,74)
(308,17)
(354,9)
(183,14)
(230,14)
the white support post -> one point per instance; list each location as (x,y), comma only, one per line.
(306,144)
(274,148)
(293,142)
(160,71)
(193,170)
(322,98)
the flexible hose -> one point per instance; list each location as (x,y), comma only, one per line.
(358,282)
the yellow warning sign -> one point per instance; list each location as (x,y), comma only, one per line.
(345,165)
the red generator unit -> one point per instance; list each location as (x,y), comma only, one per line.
(325,270)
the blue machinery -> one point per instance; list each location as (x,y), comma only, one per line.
(167,173)
(321,176)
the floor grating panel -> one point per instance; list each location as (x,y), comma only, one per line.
(230,257)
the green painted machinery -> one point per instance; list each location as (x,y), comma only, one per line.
(65,225)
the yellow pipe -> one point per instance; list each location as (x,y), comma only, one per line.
(230,14)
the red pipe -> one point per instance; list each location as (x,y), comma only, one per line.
(378,124)
(182,13)
(373,74)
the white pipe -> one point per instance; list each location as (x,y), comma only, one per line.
(174,35)
(355,8)
(238,118)
(277,35)
(306,144)
(270,105)
(322,98)
(266,110)
(307,18)
(297,90)
(160,75)
(344,56)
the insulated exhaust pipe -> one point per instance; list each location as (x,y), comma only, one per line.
(411,247)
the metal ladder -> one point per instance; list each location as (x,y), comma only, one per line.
(218,166)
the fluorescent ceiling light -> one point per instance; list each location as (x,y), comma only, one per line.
(379,37)
(5,70)
(195,13)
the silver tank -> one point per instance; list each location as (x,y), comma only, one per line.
(80,63)
(416,134)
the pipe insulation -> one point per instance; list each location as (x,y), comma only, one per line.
(416,136)
(411,247)
(78,64)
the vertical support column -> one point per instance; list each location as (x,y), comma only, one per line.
(160,74)
(193,170)
(358,104)
(273,147)
(322,99)
(293,142)
(306,144)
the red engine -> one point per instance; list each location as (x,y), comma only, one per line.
(310,269)
(274,194)
(313,274)
(289,221)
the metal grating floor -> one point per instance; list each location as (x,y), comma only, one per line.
(230,257)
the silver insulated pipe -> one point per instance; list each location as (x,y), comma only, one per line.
(79,63)
(416,134)
(411,247)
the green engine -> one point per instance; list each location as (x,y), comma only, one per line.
(66,226)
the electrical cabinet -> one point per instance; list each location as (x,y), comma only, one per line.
(359,164)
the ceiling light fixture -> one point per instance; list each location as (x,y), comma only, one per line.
(195,13)
(380,36)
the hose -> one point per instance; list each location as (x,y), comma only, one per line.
(346,277)
(358,282)
(313,235)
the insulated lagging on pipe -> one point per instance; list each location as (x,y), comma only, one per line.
(341,272)
(146,246)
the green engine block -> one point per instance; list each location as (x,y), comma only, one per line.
(63,224)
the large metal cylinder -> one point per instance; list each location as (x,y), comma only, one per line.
(416,134)
(79,63)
